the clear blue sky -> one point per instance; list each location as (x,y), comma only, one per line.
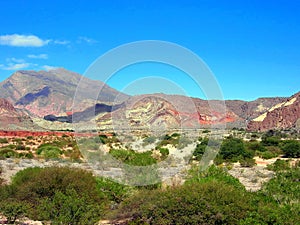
(252,47)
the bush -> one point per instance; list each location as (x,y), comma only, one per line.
(274,149)
(284,187)
(169,140)
(13,210)
(205,144)
(267,155)
(212,197)
(8,153)
(61,195)
(115,192)
(279,165)
(28,155)
(213,173)
(199,150)
(255,146)
(232,149)
(291,148)
(247,162)
(49,151)
(133,158)
(270,141)
(200,203)
(3,141)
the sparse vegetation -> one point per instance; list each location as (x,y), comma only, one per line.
(73,196)
(210,197)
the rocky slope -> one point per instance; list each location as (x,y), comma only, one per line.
(11,119)
(51,92)
(47,97)
(284,115)
(173,111)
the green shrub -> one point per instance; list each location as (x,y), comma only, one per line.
(133,158)
(10,146)
(279,165)
(199,151)
(115,192)
(201,147)
(232,149)
(169,140)
(3,141)
(247,162)
(1,180)
(8,153)
(13,210)
(267,155)
(270,141)
(274,149)
(206,131)
(28,155)
(59,194)
(200,203)
(213,173)
(255,146)
(164,152)
(291,148)
(284,187)
(49,151)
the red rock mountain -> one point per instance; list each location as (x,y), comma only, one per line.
(156,110)
(49,95)
(51,92)
(284,115)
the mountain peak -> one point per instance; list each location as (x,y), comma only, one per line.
(51,92)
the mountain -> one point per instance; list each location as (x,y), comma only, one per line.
(47,97)
(51,92)
(284,115)
(173,111)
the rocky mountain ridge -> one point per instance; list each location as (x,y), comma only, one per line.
(284,115)
(40,93)
(49,96)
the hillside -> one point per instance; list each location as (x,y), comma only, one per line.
(47,97)
(11,119)
(284,115)
(51,92)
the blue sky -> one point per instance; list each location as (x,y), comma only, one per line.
(252,47)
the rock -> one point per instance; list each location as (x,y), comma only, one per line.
(284,115)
